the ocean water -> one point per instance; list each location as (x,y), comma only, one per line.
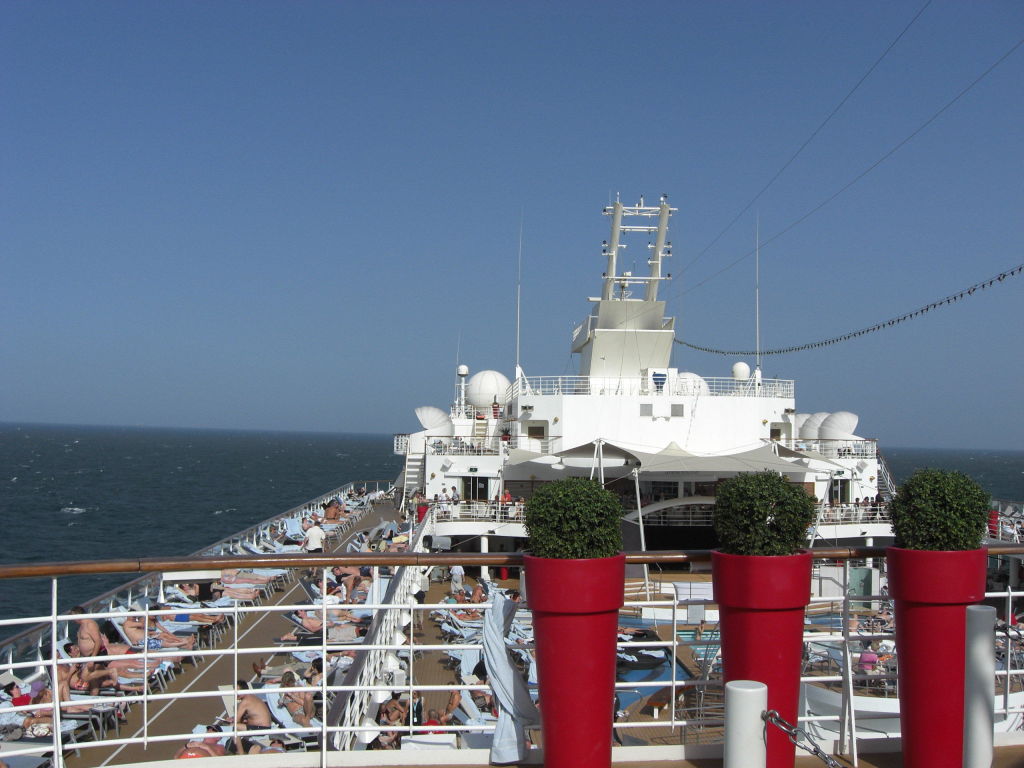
(84,493)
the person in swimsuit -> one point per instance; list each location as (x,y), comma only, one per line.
(140,632)
(298,703)
(90,640)
(89,676)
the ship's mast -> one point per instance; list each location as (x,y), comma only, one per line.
(659,250)
(625,336)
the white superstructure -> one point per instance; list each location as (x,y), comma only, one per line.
(661,436)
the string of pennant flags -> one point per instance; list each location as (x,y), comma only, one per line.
(951,299)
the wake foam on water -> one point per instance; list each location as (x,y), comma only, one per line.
(73,510)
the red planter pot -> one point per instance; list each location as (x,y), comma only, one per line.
(761,603)
(931,592)
(575,606)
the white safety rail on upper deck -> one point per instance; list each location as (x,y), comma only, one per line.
(669,387)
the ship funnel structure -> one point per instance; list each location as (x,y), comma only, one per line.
(625,335)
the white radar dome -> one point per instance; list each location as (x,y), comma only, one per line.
(462,370)
(740,371)
(689,383)
(485,387)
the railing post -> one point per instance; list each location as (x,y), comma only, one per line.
(58,747)
(745,743)
(979,687)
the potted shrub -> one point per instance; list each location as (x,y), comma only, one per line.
(762,584)
(575,572)
(936,569)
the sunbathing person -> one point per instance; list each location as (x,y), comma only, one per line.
(207,745)
(340,632)
(91,641)
(131,673)
(276,745)
(298,703)
(20,699)
(88,676)
(235,576)
(251,714)
(220,589)
(194,618)
(454,700)
(154,637)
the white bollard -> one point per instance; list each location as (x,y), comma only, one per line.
(979,687)
(745,745)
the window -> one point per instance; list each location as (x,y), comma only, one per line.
(677,410)
(646,409)
(536,433)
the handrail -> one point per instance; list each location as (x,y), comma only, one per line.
(156,564)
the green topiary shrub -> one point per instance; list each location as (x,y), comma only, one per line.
(574,519)
(939,510)
(762,514)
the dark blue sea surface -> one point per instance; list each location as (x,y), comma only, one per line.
(1000,473)
(85,493)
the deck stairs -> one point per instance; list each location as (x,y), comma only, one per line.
(886,483)
(414,463)
(479,431)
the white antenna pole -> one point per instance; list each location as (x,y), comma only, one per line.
(757,294)
(519,286)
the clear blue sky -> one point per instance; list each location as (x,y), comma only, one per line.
(280,215)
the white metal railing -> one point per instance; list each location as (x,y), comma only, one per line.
(839,514)
(478,511)
(461,446)
(670,387)
(837,449)
(388,660)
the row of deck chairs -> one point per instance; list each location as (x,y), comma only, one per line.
(302,652)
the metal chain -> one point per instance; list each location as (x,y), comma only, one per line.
(796,735)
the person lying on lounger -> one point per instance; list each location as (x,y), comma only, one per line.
(143,631)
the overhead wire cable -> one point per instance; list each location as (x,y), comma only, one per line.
(867,170)
(951,299)
(810,138)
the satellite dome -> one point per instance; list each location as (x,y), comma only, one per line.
(485,387)
(740,371)
(689,383)
(462,370)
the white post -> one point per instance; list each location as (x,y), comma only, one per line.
(745,746)
(979,687)
(485,572)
